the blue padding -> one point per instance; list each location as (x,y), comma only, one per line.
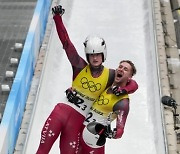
(15,105)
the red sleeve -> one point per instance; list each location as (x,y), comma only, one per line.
(131,87)
(123,108)
(77,62)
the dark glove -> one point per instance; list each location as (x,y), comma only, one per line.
(71,95)
(104,131)
(58,10)
(110,133)
(118,91)
(106,134)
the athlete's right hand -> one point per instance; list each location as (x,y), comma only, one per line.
(118,91)
(71,96)
(58,10)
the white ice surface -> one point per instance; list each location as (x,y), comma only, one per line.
(126,26)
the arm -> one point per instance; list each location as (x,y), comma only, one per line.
(122,107)
(130,88)
(77,62)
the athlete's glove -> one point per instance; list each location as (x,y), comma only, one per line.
(71,95)
(118,91)
(110,133)
(102,130)
(105,131)
(58,10)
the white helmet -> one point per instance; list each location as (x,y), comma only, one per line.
(91,137)
(93,45)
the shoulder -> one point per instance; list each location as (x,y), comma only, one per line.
(122,105)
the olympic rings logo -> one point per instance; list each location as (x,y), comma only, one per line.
(102,101)
(90,85)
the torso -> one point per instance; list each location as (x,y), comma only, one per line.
(89,88)
(103,106)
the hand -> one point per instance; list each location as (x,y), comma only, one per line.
(58,10)
(105,131)
(102,137)
(108,132)
(111,133)
(118,91)
(71,95)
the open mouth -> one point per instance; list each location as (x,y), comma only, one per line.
(119,75)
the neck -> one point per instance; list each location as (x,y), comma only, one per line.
(96,71)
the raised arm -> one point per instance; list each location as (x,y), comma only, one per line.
(77,62)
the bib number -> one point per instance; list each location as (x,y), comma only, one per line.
(89,118)
(79,104)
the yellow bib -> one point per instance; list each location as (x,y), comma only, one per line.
(89,88)
(105,103)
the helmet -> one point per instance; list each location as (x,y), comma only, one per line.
(91,137)
(93,45)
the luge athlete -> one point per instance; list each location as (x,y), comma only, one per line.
(105,109)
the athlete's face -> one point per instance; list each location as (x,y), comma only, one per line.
(95,59)
(123,73)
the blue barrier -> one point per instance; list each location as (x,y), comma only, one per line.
(15,105)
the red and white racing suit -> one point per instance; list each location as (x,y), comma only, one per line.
(67,119)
